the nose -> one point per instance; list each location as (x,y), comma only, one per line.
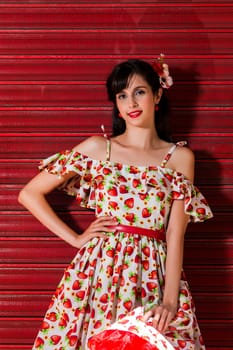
(132,102)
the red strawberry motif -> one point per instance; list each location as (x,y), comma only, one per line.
(133,278)
(190,208)
(128,305)
(112,191)
(125,266)
(146,212)
(93,263)
(153,182)
(175,195)
(151,286)
(45,325)
(143,196)
(129,202)
(133,170)
(99,208)
(80,294)
(92,195)
(76,285)
(130,217)
(67,275)
(103,308)
(97,324)
(115,280)
(128,250)
(163,182)
(146,251)
(109,315)
(184,292)
(123,189)
(87,177)
(122,282)
(162,212)
(39,343)
(62,323)
(73,340)
(104,298)
(145,264)
(180,313)
(107,171)
(143,293)
(160,195)
(138,259)
(52,316)
(186,306)
(136,183)
(169,177)
(67,303)
(55,339)
(90,249)
(115,259)
(110,252)
(113,205)
(101,196)
(119,166)
(118,246)
(153,274)
(121,178)
(81,275)
(100,185)
(181,343)
(59,290)
(201,211)
(109,270)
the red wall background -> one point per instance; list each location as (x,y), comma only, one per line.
(54,58)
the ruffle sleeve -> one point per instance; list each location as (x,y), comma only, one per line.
(195,203)
(80,185)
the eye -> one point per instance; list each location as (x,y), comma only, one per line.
(121,96)
(140,92)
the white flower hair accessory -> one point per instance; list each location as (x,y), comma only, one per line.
(162,70)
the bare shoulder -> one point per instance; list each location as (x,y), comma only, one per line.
(183,161)
(94,147)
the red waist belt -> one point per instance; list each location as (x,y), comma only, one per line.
(158,234)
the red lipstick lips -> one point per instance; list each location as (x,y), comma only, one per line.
(134,114)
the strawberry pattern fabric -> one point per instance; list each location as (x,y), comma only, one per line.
(109,278)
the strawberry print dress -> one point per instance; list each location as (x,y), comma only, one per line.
(109,278)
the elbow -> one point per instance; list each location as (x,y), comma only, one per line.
(23,197)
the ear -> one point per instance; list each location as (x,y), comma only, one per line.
(158,95)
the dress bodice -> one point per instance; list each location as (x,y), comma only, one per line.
(136,195)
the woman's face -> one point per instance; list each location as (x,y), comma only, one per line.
(136,103)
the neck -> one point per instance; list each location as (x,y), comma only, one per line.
(141,138)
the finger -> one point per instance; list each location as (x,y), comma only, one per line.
(156,320)
(162,321)
(147,315)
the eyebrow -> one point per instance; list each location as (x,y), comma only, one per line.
(137,87)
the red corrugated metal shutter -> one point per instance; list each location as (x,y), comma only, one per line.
(54,58)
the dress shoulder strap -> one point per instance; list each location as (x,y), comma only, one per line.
(108,143)
(170,152)
(108,149)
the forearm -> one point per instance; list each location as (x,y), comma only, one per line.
(37,204)
(174,263)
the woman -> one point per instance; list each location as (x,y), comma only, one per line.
(140,186)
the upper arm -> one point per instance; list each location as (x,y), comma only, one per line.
(94,147)
(44,182)
(183,161)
